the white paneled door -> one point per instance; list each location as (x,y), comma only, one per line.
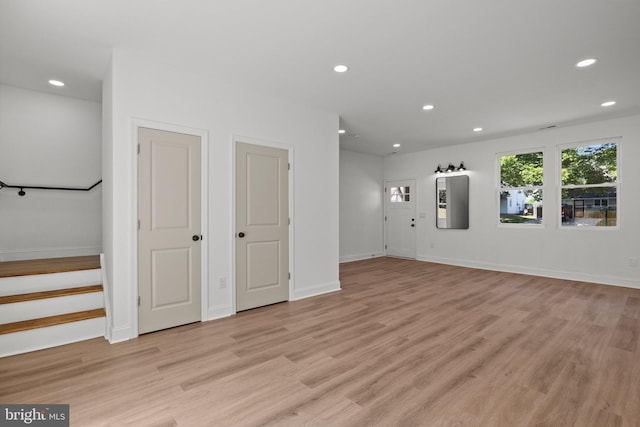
(262,226)
(400,218)
(169,229)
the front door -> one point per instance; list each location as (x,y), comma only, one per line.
(400,218)
(262,226)
(168,230)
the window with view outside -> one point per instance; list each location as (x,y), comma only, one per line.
(590,185)
(520,188)
(400,194)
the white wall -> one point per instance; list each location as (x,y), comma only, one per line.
(597,255)
(107,191)
(49,140)
(361,207)
(145,88)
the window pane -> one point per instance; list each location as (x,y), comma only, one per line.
(521,206)
(521,170)
(399,194)
(589,164)
(589,207)
(442,196)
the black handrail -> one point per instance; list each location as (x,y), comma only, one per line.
(33,187)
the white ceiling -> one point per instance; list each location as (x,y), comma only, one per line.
(507,66)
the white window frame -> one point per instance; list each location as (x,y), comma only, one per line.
(618,184)
(401,194)
(500,189)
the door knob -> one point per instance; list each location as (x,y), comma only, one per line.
(241,234)
(413,225)
(195,237)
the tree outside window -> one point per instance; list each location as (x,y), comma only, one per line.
(590,185)
(520,188)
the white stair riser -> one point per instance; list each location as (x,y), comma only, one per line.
(51,336)
(29,310)
(48,282)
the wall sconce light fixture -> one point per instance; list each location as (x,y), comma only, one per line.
(450,168)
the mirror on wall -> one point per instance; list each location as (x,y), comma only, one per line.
(452,202)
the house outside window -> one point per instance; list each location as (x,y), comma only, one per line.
(590,186)
(520,188)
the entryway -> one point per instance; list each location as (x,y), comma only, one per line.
(400,218)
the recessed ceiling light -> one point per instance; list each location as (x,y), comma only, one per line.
(608,103)
(428,107)
(396,145)
(341,131)
(56,83)
(340,68)
(586,62)
(477,129)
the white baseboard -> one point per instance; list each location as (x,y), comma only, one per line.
(316,290)
(120,334)
(219,312)
(360,257)
(555,274)
(42,253)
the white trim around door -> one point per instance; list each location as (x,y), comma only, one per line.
(204,174)
(400,218)
(232,267)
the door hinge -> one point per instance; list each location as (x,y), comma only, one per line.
(385,246)
(289,221)
(289,276)
(138,300)
(289,166)
(385,217)
(138,224)
(385,189)
(138,148)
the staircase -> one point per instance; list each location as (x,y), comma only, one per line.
(50,302)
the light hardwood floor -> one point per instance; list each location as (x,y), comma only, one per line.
(406,343)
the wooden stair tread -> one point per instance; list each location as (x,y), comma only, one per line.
(49,265)
(9,299)
(42,322)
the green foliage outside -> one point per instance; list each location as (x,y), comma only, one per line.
(581,166)
(593,164)
(521,170)
(518,219)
